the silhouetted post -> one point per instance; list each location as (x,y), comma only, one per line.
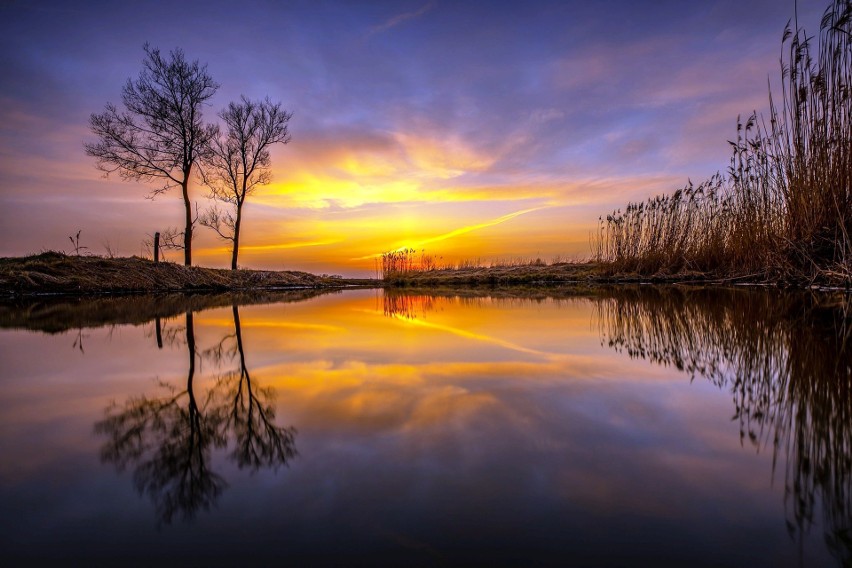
(156,248)
(159,327)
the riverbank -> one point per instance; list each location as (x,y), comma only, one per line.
(533,275)
(57,273)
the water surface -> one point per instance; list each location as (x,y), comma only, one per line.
(630,426)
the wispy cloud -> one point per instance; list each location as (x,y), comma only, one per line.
(399,19)
(271,247)
(475,227)
(457,232)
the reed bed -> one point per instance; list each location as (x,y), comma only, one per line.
(783,211)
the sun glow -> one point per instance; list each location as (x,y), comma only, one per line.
(416,244)
(336,204)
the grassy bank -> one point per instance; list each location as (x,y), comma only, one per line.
(410,268)
(57,273)
(783,211)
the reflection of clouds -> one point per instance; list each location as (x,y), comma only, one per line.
(419,435)
(470,335)
(503,437)
(385,398)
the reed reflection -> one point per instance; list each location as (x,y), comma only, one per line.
(787,361)
(168,440)
(406,306)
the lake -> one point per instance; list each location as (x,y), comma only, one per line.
(631,426)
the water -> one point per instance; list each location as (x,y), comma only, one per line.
(632,426)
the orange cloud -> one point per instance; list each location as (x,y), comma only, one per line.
(456,232)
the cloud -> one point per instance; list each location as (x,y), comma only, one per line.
(399,19)
(443,156)
(457,232)
(271,247)
(545,115)
(353,168)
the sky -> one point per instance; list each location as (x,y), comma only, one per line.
(472,130)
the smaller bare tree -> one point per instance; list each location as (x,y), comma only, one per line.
(239,162)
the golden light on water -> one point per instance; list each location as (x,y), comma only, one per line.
(579,404)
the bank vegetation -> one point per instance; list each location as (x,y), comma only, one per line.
(783,211)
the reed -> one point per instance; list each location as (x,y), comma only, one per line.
(407,262)
(784,209)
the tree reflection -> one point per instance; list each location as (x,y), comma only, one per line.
(787,361)
(258,441)
(168,440)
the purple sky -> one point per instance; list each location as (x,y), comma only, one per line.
(486,129)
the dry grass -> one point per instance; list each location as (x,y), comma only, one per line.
(784,210)
(408,267)
(53,272)
(499,276)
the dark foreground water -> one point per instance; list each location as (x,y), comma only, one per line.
(620,427)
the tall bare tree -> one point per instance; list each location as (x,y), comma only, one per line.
(160,135)
(239,162)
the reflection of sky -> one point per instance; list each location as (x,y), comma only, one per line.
(412,119)
(437,441)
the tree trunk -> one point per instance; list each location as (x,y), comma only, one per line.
(187,234)
(236,250)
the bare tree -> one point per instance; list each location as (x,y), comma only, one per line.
(239,162)
(160,135)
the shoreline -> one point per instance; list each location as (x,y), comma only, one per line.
(57,274)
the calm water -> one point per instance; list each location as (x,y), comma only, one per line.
(613,427)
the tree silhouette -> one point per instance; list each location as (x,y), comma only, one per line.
(239,162)
(160,135)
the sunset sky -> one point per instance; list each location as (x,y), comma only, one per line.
(491,130)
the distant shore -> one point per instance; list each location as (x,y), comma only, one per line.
(58,273)
(543,275)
